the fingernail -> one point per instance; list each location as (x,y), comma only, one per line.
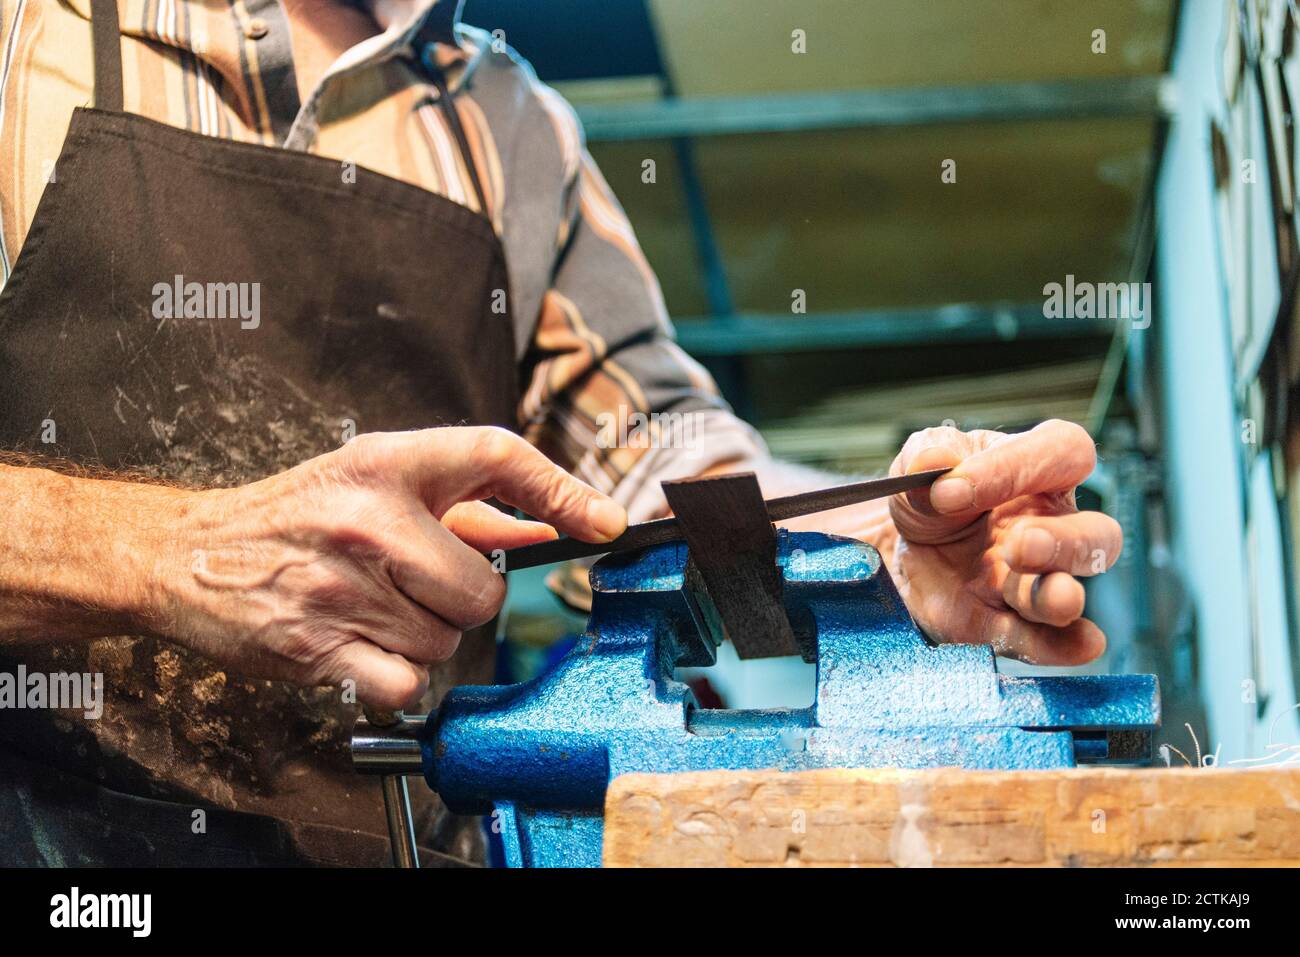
(955,494)
(1037,546)
(607,517)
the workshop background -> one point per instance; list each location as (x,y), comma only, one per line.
(801,148)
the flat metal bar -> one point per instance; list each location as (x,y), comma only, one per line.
(758,333)
(672,117)
(663,530)
(733,562)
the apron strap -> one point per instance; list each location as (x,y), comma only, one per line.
(107,37)
(453,120)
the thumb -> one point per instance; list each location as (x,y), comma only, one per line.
(936,457)
(913,512)
(1054,456)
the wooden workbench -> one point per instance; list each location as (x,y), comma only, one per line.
(1084,816)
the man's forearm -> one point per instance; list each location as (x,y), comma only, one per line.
(77,555)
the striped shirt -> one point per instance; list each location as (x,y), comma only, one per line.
(606,387)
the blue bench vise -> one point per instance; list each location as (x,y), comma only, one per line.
(538,756)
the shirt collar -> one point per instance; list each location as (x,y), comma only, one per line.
(431,19)
(423,20)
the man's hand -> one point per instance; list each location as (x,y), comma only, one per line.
(361,564)
(991,551)
(365,563)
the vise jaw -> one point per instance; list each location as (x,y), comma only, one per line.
(539,756)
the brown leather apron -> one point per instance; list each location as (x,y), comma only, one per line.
(374,314)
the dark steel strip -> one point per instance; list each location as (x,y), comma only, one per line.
(733,549)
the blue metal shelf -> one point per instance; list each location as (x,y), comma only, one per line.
(753,333)
(711,116)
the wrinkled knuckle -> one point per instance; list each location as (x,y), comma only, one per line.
(323,586)
(921,441)
(492,450)
(307,646)
(362,528)
(564,495)
(939,435)
(364,442)
(367,454)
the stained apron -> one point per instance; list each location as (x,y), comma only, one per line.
(375,313)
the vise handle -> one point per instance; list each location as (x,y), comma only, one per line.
(388,754)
